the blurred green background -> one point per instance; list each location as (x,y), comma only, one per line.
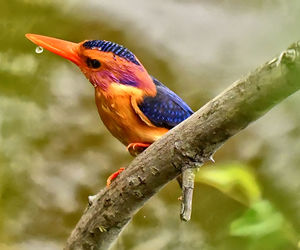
(54,150)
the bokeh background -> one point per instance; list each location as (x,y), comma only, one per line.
(54,150)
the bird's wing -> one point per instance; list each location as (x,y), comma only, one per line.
(166,109)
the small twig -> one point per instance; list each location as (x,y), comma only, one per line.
(188,178)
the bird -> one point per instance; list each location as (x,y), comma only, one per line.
(134,106)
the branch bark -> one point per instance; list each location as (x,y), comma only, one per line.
(189,144)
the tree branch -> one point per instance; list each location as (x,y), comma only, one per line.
(188,145)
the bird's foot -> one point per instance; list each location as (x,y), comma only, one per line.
(113,176)
(136,148)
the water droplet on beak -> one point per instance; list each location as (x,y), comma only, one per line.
(39,50)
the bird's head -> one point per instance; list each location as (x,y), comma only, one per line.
(102,62)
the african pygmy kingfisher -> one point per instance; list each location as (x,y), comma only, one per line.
(134,106)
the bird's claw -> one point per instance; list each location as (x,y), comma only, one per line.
(136,148)
(113,176)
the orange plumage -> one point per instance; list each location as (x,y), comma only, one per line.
(119,112)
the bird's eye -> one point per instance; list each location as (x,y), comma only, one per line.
(93,63)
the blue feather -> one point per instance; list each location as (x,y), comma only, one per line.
(166,109)
(107,46)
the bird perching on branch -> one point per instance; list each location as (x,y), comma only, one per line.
(134,106)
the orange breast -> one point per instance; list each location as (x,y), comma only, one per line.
(119,116)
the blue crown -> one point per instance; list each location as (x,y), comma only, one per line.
(107,46)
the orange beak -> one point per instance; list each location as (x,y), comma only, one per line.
(60,47)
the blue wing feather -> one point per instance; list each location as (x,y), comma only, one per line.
(166,109)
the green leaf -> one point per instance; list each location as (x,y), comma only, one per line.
(235,180)
(261,219)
